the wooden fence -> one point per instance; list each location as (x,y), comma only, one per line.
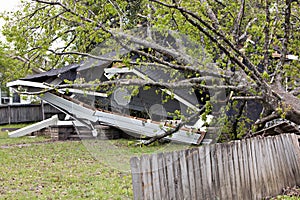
(24,113)
(248,169)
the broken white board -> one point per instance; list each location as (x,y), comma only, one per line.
(34,127)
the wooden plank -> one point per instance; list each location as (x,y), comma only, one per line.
(9,114)
(231,174)
(155,177)
(260,167)
(191,171)
(146,177)
(171,179)
(288,163)
(214,172)
(282,161)
(267,170)
(295,155)
(273,185)
(236,171)
(243,189)
(264,168)
(209,191)
(202,160)
(177,175)
(197,172)
(34,127)
(162,172)
(277,162)
(295,139)
(220,155)
(184,175)
(247,189)
(254,168)
(275,169)
(136,178)
(226,159)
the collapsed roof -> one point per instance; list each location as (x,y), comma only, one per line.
(139,115)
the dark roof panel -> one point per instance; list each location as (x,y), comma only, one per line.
(51,73)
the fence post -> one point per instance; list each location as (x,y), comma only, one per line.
(9,114)
(43,109)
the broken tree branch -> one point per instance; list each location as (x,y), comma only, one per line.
(173,130)
(248,98)
(267,36)
(190,65)
(267,118)
(238,21)
(287,29)
(187,83)
(220,37)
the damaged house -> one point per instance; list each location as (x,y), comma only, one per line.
(143,105)
(139,111)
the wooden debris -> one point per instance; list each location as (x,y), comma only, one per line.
(283,127)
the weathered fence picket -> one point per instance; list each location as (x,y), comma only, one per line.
(248,169)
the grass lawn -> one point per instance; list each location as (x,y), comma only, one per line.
(37,168)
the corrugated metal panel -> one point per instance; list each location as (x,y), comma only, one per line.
(125,123)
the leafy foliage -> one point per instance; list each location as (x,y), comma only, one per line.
(252,41)
(10,68)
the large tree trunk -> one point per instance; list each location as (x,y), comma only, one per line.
(291,107)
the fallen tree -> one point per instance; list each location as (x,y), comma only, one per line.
(239,42)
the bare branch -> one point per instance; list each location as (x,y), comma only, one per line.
(267,36)
(186,83)
(190,63)
(287,29)
(238,21)
(267,118)
(85,55)
(247,98)
(179,57)
(256,75)
(174,130)
(244,35)
(217,40)
(211,14)
(22,59)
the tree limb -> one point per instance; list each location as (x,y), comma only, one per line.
(267,36)
(173,130)
(287,29)
(244,35)
(186,83)
(256,74)
(238,21)
(247,98)
(270,117)
(190,63)
(211,14)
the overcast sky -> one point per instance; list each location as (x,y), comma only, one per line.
(7,5)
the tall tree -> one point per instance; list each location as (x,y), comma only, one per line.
(11,67)
(255,44)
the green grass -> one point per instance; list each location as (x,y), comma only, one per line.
(36,168)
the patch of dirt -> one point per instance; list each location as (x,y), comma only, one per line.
(26,144)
